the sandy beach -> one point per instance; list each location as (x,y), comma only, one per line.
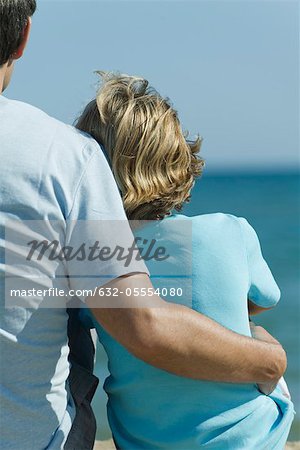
(109,445)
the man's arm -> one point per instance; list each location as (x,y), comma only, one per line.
(184,342)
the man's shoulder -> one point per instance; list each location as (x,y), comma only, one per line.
(49,127)
(28,111)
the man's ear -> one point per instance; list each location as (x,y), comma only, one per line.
(19,52)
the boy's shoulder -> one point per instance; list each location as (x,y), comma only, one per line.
(215,227)
(218,219)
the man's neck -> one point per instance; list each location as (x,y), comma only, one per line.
(2,78)
(2,75)
(5,75)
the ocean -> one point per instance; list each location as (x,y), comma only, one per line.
(271,204)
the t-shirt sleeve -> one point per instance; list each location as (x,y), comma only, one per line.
(263,290)
(98,234)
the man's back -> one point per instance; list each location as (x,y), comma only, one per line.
(43,163)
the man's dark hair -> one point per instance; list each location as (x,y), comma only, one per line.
(13,19)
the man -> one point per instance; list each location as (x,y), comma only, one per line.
(51,172)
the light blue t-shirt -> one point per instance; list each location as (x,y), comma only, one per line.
(152,409)
(49,172)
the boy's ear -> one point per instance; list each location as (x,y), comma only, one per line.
(19,52)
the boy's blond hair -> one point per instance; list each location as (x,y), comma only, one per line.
(153,164)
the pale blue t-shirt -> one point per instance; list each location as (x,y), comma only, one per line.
(49,172)
(152,409)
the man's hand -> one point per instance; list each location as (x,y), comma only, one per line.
(261,334)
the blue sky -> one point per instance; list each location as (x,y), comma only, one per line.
(231,68)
